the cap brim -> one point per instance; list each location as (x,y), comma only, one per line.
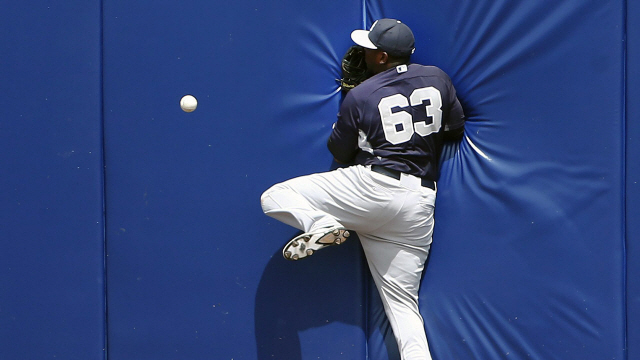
(361,37)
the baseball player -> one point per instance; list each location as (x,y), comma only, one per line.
(390,132)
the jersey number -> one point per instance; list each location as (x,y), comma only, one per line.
(399,127)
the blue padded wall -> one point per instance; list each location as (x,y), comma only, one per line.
(51,223)
(535,249)
(194,267)
(528,255)
(632,142)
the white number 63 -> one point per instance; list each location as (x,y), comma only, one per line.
(390,120)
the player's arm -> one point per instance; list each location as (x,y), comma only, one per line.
(454,134)
(342,144)
(454,125)
(343,141)
(339,156)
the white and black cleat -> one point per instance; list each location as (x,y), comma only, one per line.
(308,243)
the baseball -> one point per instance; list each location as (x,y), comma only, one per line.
(188,103)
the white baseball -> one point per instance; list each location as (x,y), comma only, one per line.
(188,103)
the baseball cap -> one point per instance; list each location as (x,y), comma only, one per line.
(389,35)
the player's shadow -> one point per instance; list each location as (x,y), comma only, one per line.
(331,286)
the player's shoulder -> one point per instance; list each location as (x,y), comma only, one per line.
(364,89)
(395,77)
(377,81)
(426,70)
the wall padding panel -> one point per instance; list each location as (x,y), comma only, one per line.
(195,269)
(51,219)
(632,196)
(528,260)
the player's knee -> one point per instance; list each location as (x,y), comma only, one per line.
(276,198)
(266,201)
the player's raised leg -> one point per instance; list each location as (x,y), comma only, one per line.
(285,203)
(304,203)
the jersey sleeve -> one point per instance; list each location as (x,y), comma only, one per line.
(456,117)
(343,141)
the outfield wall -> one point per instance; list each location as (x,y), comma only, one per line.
(133,230)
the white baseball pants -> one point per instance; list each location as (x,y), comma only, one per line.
(394,221)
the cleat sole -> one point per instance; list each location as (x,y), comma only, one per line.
(308,243)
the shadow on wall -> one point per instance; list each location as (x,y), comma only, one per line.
(329,287)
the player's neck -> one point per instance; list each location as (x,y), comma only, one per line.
(391,65)
(395,64)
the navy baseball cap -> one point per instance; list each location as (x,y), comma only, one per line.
(389,35)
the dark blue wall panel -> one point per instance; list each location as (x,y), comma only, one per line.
(51,225)
(194,268)
(633,179)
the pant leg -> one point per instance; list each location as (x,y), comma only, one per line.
(397,273)
(396,254)
(346,197)
(284,202)
(315,201)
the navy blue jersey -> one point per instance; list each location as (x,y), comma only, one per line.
(397,119)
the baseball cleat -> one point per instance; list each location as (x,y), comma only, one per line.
(308,243)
